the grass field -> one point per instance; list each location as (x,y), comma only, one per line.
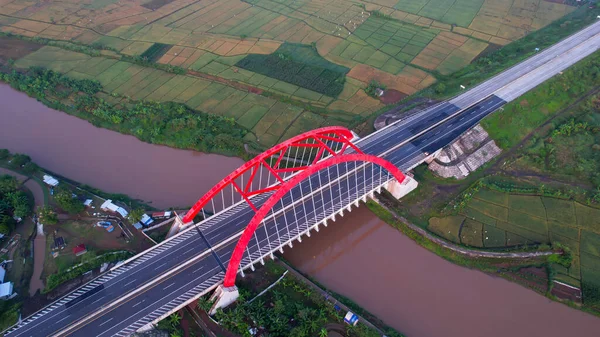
(495,220)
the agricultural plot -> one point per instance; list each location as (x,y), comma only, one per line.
(459,12)
(447,227)
(385,43)
(155,52)
(530,219)
(300,65)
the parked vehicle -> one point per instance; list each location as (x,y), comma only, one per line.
(104,224)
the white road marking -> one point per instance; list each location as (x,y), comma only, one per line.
(160,266)
(108,320)
(128,283)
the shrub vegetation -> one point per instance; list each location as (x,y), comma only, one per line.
(54,280)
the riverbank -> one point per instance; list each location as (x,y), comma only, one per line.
(158,175)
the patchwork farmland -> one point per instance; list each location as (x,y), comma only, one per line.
(227,57)
(494,219)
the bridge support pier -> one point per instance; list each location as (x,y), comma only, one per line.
(177,226)
(222,297)
(398,190)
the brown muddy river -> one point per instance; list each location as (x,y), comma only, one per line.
(422,295)
(359,256)
(105,159)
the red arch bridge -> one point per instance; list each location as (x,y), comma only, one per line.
(276,198)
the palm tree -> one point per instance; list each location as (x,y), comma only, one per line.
(174,319)
(323,332)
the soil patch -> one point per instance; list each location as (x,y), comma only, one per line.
(15,49)
(566,293)
(39,251)
(392,96)
(156,4)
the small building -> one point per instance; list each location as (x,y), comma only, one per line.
(79,250)
(161,215)
(88,203)
(379,92)
(59,243)
(50,180)
(108,206)
(146,220)
(351,318)
(6,288)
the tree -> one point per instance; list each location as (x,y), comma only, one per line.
(4,153)
(174,319)
(204,303)
(20,203)
(135,215)
(7,224)
(65,200)
(8,184)
(323,332)
(47,215)
(440,88)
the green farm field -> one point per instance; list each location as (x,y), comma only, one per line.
(220,56)
(493,219)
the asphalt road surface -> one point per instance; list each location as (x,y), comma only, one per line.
(169,274)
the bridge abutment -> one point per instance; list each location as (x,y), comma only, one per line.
(398,190)
(223,297)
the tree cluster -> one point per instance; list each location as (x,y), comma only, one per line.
(67,201)
(14,203)
(54,280)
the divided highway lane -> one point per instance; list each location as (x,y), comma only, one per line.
(502,79)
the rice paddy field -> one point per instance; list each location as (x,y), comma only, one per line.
(495,220)
(233,51)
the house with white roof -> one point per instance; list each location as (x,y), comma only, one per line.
(108,206)
(6,288)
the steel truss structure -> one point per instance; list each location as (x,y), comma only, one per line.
(269,170)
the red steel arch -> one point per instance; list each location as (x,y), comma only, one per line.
(236,257)
(311,139)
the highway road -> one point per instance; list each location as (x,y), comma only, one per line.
(193,262)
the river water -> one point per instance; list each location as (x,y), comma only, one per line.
(105,159)
(358,256)
(422,295)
